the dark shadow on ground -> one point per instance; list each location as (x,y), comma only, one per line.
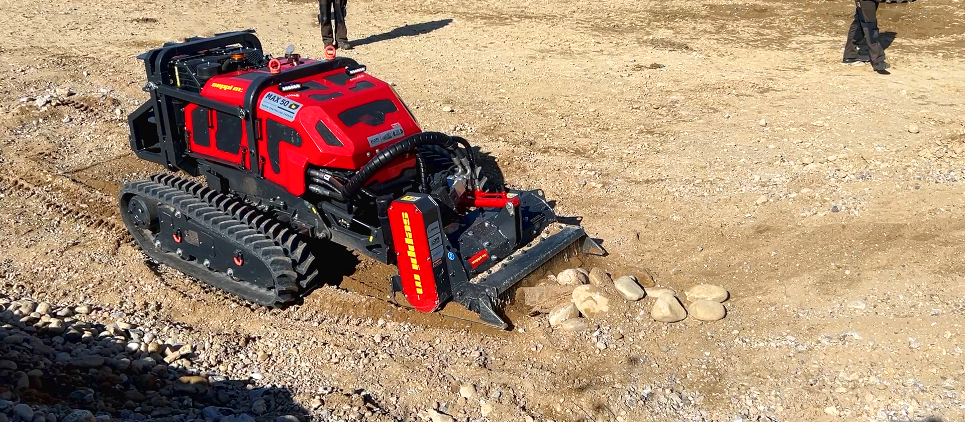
(404,31)
(99,373)
(490,168)
(886,39)
(337,262)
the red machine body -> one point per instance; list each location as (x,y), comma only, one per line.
(332,120)
(295,152)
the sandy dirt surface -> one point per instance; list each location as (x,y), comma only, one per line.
(704,142)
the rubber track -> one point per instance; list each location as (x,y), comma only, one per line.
(280,292)
(303,260)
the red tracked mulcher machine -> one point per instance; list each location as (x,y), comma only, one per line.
(293,152)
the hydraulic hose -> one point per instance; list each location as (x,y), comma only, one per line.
(385,157)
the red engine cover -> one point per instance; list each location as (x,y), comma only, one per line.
(335,120)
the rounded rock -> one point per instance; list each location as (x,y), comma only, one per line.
(629,288)
(79,416)
(572,277)
(707,292)
(591,301)
(656,292)
(599,278)
(259,407)
(43,308)
(467,391)
(913,128)
(707,310)
(437,416)
(82,309)
(56,326)
(27,307)
(562,313)
(91,361)
(575,325)
(668,309)
(25,412)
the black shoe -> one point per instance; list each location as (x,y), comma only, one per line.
(344,45)
(861,59)
(882,68)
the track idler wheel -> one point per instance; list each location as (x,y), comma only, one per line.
(143,215)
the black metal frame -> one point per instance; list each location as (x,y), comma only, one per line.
(164,96)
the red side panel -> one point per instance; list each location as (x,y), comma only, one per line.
(216,136)
(412,250)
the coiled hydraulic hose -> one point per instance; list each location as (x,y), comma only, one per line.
(385,157)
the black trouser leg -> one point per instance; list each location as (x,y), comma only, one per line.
(341,32)
(325,21)
(855,36)
(869,24)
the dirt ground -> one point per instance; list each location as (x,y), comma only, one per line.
(704,142)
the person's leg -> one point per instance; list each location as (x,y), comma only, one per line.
(855,36)
(325,21)
(869,23)
(341,32)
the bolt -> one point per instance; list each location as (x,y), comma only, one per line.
(157,243)
(180,253)
(177,214)
(231,273)
(207,263)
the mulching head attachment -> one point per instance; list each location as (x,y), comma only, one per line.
(469,270)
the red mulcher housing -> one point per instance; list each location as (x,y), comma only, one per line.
(295,151)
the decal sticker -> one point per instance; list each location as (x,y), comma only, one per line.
(434,234)
(392,134)
(226,87)
(479,258)
(451,256)
(280,106)
(408,198)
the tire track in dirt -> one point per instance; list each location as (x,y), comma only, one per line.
(94,217)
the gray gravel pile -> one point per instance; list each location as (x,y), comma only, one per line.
(63,363)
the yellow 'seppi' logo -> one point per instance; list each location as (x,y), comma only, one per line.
(410,251)
(226,87)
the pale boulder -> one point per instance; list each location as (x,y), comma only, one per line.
(599,277)
(562,313)
(591,301)
(656,292)
(667,308)
(629,288)
(707,310)
(707,292)
(572,277)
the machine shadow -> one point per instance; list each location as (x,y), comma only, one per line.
(101,374)
(490,167)
(410,30)
(338,262)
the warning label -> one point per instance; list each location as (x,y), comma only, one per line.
(392,134)
(280,106)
